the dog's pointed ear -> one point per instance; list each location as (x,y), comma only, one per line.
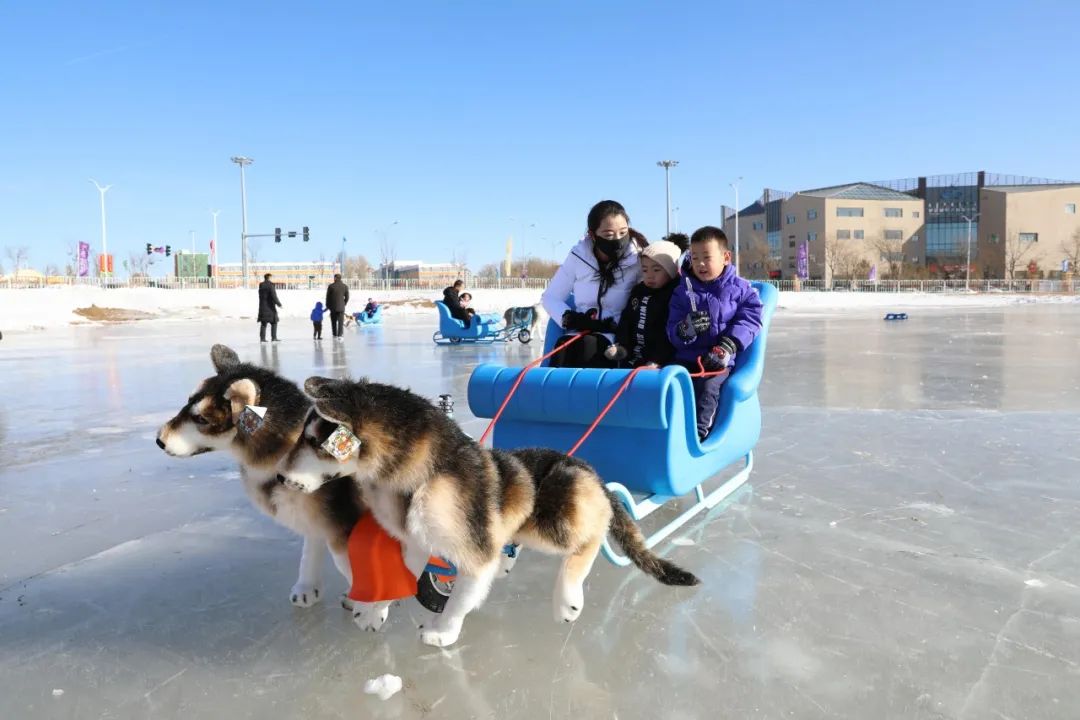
(240,394)
(321,387)
(223,357)
(336,410)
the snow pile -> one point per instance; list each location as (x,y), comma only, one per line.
(44,308)
(63,306)
(385,686)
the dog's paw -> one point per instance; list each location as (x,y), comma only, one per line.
(440,637)
(305,595)
(441,632)
(569,603)
(347,602)
(370,616)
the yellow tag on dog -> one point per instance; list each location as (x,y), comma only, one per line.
(342,444)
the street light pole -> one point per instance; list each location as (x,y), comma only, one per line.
(104,242)
(214,246)
(735,187)
(967,268)
(667,165)
(243,162)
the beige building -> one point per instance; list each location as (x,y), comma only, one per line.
(847,230)
(432,274)
(292,274)
(1027,230)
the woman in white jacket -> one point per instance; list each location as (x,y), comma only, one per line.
(598,275)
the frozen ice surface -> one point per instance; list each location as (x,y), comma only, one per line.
(909,548)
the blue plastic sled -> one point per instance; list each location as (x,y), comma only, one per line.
(896,316)
(483,329)
(646,447)
(375,319)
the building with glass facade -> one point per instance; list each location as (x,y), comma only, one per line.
(1019,227)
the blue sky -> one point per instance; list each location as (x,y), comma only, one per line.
(453,118)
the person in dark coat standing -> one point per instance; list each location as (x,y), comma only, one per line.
(268,305)
(337,297)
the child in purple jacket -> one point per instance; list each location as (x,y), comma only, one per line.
(714,315)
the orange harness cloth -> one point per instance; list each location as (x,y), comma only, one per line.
(378,566)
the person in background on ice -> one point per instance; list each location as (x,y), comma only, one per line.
(641,338)
(599,273)
(371,307)
(452,299)
(714,315)
(268,305)
(466,298)
(316,319)
(337,297)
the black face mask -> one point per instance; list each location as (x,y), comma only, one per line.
(612,248)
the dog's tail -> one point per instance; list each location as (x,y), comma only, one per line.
(629,537)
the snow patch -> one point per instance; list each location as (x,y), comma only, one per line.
(385,686)
(941,510)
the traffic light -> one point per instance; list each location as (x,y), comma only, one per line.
(277,234)
(168,250)
(149,249)
(305,233)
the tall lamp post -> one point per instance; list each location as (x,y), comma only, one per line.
(104,241)
(967,268)
(667,165)
(243,162)
(735,187)
(213,248)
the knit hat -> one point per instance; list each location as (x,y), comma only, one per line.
(666,254)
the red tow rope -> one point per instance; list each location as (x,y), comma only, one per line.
(702,373)
(520,377)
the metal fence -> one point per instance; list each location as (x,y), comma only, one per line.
(881,286)
(232,284)
(931,286)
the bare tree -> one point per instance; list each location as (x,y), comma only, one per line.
(1016,251)
(357,267)
(254,249)
(387,252)
(755,262)
(891,253)
(1072,251)
(138,264)
(841,257)
(17,255)
(2,272)
(460,260)
(52,269)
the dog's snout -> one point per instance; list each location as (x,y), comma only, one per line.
(160,443)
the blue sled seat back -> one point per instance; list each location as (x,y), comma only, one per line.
(648,441)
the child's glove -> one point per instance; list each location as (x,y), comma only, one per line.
(693,324)
(616,352)
(573,320)
(587,322)
(721,356)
